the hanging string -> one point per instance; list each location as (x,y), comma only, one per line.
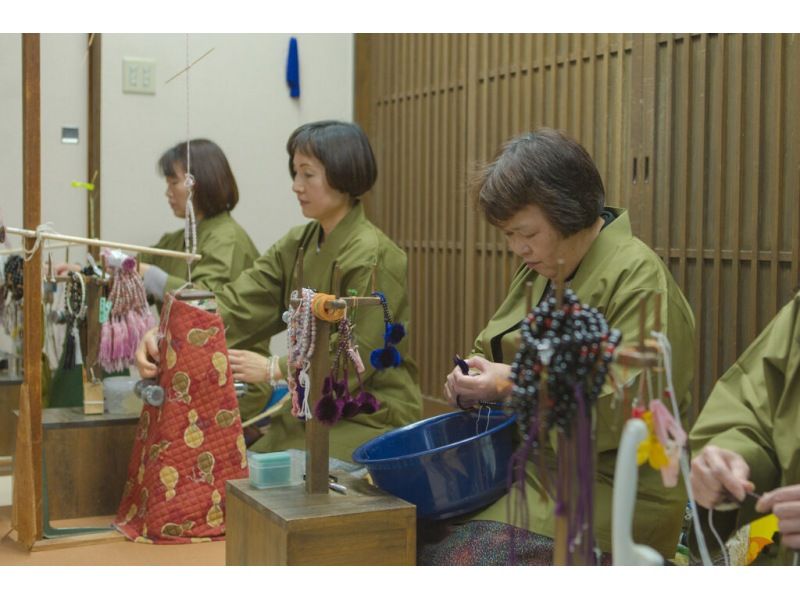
(725,558)
(666,349)
(47,227)
(190,226)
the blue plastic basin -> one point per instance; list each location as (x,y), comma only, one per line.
(440,464)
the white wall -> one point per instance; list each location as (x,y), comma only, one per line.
(238,98)
(63,103)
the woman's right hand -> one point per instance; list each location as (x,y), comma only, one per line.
(147,357)
(490,382)
(719,474)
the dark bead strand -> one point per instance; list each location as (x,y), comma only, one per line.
(581,347)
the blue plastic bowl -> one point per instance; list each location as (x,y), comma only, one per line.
(440,464)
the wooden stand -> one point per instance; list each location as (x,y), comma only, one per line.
(288,526)
(308,525)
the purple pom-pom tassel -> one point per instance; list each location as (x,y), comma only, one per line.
(328,410)
(367,403)
(351,408)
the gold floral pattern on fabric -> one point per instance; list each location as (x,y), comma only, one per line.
(169,477)
(140,472)
(193,435)
(180,384)
(242,450)
(131,513)
(205,462)
(199,337)
(175,529)
(220,363)
(157,449)
(144,495)
(226,417)
(187,448)
(126,489)
(215,516)
(143,540)
(172,356)
(144,425)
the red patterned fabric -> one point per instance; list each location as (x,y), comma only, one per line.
(187,448)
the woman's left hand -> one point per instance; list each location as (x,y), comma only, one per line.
(785,505)
(492,383)
(248,366)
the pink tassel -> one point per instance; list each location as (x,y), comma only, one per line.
(120,339)
(136,330)
(104,354)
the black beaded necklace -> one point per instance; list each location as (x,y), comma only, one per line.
(13,277)
(574,344)
(74,313)
(557,376)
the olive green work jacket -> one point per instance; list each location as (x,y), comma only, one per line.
(252,307)
(754,410)
(226,248)
(615,274)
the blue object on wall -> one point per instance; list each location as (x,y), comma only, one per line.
(293,69)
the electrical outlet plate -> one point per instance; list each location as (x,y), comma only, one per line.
(139,75)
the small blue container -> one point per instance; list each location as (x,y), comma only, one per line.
(441,464)
(270,470)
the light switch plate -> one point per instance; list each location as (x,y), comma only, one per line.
(139,75)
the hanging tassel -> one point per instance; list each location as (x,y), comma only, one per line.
(78,353)
(388,357)
(104,353)
(120,339)
(69,350)
(328,410)
(367,403)
(394,333)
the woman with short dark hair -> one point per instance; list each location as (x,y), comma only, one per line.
(226,247)
(546,195)
(332,166)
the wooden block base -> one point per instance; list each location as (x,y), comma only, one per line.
(286,526)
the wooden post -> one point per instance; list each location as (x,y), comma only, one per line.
(317,433)
(27,512)
(93,139)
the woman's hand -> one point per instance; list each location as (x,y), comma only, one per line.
(491,383)
(147,357)
(785,505)
(248,366)
(719,474)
